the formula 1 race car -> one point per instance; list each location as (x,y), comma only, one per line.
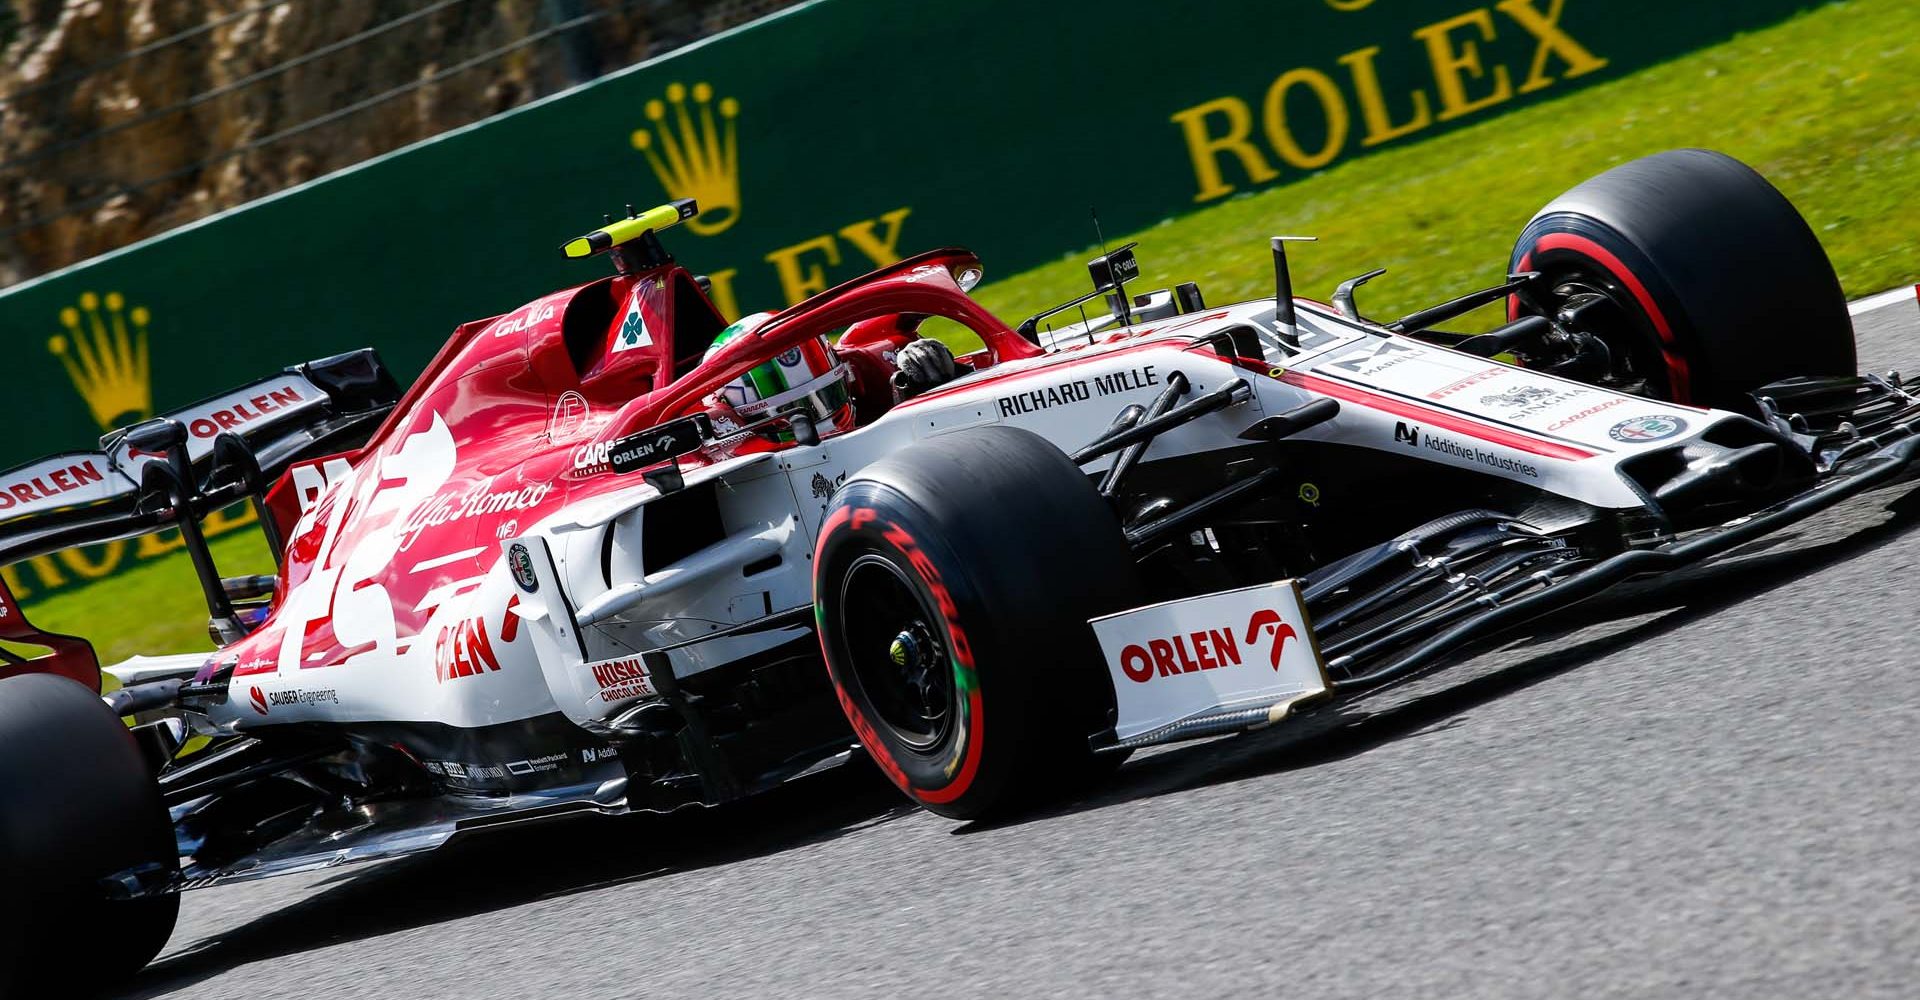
(611,553)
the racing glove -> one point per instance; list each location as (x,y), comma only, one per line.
(923,364)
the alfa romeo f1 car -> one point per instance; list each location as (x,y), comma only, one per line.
(610,553)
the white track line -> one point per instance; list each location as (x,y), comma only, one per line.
(1882,300)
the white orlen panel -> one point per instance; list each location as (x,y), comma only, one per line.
(1232,649)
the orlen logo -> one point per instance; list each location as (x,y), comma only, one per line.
(1210,649)
(45,484)
(465,650)
(259,701)
(238,413)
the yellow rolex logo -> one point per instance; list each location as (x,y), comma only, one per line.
(693,155)
(105,355)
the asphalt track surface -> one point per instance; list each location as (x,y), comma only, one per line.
(1704,788)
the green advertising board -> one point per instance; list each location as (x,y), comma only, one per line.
(820,142)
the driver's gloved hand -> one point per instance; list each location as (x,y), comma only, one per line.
(923,364)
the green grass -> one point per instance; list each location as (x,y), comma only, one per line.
(1826,105)
(153,607)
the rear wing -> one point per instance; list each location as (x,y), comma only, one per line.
(198,459)
(175,470)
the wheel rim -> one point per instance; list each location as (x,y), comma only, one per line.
(1636,363)
(895,651)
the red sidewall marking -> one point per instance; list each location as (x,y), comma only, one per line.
(1677,371)
(1513,301)
(895,536)
(964,780)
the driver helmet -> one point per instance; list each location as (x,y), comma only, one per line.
(805,379)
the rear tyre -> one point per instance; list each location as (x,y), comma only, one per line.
(953,583)
(1718,284)
(77,804)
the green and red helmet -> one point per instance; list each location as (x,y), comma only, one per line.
(805,379)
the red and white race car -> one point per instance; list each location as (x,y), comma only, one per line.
(611,553)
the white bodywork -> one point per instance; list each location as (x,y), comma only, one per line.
(1249,647)
(577,640)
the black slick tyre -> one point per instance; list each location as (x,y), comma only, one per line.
(1721,284)
(953,583)
(77,804)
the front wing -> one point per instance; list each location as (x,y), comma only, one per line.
(1195,667)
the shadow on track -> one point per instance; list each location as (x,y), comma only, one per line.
(1438,697)
(499,869)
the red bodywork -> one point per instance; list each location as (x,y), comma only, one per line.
(68,656)
(530,400)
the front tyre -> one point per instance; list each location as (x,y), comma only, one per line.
(953,583)
(77,804)
(1711,283)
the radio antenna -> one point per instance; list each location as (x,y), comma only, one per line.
(1116,299)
